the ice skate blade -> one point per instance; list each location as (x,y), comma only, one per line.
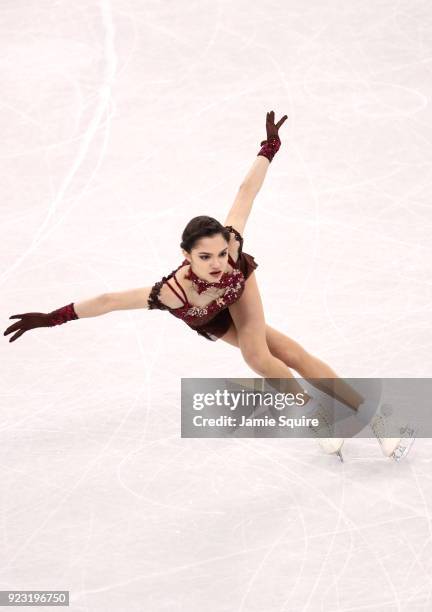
(339,454)
(404,446)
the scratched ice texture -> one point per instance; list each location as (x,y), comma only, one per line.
(122,120)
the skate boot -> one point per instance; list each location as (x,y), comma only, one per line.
(331,446)
(396,448)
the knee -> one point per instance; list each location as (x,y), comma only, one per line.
(257,358)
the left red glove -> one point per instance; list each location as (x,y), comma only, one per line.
(271,146)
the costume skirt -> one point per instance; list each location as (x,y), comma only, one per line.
(220,324)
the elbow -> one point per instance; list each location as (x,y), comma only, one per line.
(107,302)
(248,188)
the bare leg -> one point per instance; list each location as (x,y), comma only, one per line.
(310,367)
(315,368)
(272,367)
(269,352)
(290,354)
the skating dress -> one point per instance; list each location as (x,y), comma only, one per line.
(212,320)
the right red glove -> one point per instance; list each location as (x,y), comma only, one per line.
(31,320)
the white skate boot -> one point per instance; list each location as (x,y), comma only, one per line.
(331,446)
(396,448)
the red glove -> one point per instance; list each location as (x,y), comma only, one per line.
(271,146)
(31,320)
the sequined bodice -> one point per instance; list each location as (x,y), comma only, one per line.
(196,316)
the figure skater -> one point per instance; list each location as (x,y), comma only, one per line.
(215,292)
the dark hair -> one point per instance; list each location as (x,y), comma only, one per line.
(200,227)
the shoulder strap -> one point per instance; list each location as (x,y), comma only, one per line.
(181,288)
(183,299)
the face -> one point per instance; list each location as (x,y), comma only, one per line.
(210,254)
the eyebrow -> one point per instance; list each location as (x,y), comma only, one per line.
(206,253)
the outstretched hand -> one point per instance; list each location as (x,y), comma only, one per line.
(271,127)
(29,320)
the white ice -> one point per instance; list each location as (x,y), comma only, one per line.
(122,120)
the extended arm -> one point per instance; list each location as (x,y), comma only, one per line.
(129,299)
(108,302)
(93,307)
(255,177)
(242,206)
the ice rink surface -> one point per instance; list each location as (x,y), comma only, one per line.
(120,122)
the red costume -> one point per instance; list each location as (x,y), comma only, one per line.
(214,319)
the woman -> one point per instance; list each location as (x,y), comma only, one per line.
(215,292)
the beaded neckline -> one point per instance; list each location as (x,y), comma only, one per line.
(236,279)
(201,285)
(189,311)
